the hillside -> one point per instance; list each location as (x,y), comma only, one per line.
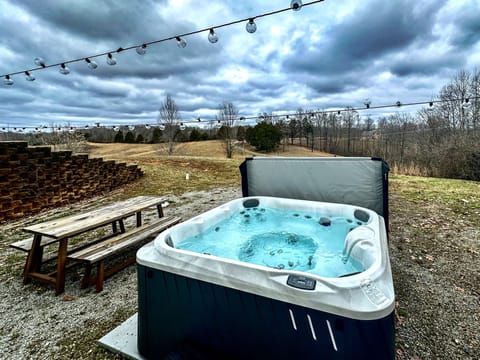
(205,149)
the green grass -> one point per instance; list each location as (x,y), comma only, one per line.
(459,196)
(169,175)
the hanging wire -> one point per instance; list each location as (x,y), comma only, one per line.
(287,117)
(42,65)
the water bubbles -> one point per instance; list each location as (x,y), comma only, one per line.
(273,249)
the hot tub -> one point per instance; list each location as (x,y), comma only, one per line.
(195,301)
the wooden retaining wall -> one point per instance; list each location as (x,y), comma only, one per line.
(34,178)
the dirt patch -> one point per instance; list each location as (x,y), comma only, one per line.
(436,267)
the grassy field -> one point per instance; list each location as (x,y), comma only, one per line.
(204,162)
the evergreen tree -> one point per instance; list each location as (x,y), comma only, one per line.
(118,136)
(129,138)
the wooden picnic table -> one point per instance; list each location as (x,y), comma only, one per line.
(62,229)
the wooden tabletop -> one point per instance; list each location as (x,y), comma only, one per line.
(75,224)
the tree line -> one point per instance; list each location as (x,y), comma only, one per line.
(441,140)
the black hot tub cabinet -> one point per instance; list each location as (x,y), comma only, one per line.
(194,304)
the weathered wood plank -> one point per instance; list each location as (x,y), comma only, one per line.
(71,225)
(118,243)
(26,244)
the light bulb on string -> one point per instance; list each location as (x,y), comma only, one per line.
(182,126)
(242,118)
(8,81)
(180,42)
(39,62)
(29,77)
(296,5)
(212,36)
(91,64)
(64,69)
(251,27)
(367,103)
(147,126)
(430,106)
(116,128)
(131,127)
(141,50)
(161,127)
(467,104)
(111,60)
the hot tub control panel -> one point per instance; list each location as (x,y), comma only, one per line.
(301,282)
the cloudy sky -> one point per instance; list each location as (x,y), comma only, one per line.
(325,56)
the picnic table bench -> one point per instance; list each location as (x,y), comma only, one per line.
(95,252)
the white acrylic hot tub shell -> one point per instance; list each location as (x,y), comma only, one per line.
(365,296)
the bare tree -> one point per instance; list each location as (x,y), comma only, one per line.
(227,117)
(169,117)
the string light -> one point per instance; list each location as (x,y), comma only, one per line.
(212,36)
(141,49)
(251,27)
(29,77)
(467,104)
(181,43)
(8,81)
(296,5)
(64,69)
(367,103)
(91,64)
(287,117)
(39,62)
(111,60)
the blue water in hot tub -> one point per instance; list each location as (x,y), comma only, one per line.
(281,239)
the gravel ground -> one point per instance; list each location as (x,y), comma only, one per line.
(436,283)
